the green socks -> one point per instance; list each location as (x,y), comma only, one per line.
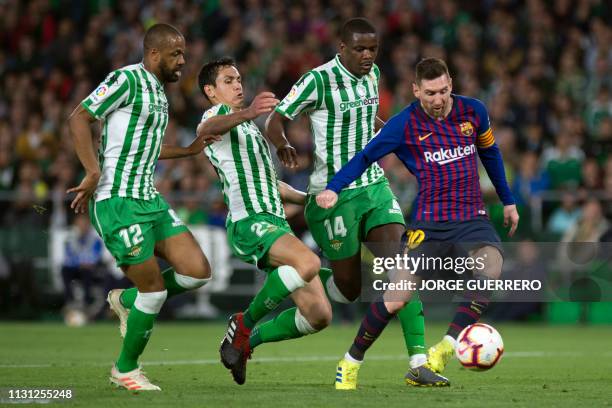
(280,283)
(282,327)
(139,327)
(413,326)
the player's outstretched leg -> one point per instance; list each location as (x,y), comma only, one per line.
(469,311)
(374,322)
(235,348)
(420,373)
(412,320)
(149,300)
(296,274)
(411,316)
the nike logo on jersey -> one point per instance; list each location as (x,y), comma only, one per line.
(445,156)
(421,138)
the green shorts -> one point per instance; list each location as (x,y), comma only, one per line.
(251,238)
(340,230)
(130,227)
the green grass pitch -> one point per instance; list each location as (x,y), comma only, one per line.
(542,366)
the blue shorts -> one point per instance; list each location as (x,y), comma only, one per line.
(449,238)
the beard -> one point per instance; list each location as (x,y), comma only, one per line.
(169,75)
(437,113)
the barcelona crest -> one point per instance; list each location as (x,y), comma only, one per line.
(466,128)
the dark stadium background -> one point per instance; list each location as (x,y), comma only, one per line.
(544,69)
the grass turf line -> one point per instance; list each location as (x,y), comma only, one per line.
(545,366)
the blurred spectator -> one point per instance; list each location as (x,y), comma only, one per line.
(35,143)
(590,226)
(7,170)
(530,179)
(591,175)
(82,259)
(564,216)
(563,161)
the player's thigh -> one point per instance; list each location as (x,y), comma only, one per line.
(387,239)
(126,227)
(251,238)
(185,255)
(288,250)
(480,240)
(146,275)
(175,243)
(336,230)
(313,304)
(384,221)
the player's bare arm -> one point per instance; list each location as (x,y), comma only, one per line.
(263,103)
(378,124)
(275,132)
(196,147)
(291,195)
(82,137)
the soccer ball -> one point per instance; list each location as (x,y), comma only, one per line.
(75,318)
(479,347)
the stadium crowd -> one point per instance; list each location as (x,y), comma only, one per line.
(544,69)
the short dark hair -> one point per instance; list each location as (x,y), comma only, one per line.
(430,68)
(210,70)
(158,34)
(356,26)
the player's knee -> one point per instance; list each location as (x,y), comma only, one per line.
(204,270)
(324,317)
(197,267)
(308,266)
(492,261)
(319,316)
(189,282)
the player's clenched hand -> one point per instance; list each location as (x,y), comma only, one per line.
(511,218)
(327,199)
(263,103)
(84,192)
(287,155)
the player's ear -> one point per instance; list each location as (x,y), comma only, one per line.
(154,55)
(209,91)
(415,89)
(450,83)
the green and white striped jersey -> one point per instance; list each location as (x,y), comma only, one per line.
(133,107)
(342,110)
(244,164)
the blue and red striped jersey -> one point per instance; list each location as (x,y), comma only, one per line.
(442,154)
